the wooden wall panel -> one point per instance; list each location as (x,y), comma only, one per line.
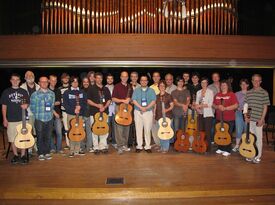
(136,47)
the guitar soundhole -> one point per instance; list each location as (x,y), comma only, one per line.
(222,129)
(24,131)
(100,119)
(76,124)
(164,124)
(125,110)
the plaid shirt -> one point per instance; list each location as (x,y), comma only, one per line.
(42,105)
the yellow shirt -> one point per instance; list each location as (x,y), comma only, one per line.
(155,88)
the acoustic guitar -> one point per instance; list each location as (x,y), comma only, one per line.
(182,143)
(77,131)
(222,136)
(100,126)
(24,138)
(192,121)
(199,144)
(248,146)
(124,114)
(165,131)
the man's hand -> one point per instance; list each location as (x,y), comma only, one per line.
(24,106)
(5,123)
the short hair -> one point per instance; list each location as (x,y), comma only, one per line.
(162,82)
(53,76)
(73,78)
(144,76)
(256,75)
(15,75)
(109,75)
(185,72)
(90,73)
(134,72)
(215,73)
(156,72)
(98,74)
(195,74)
(178,78)
(65,75)
(205,78)
(244,80)
(169,74)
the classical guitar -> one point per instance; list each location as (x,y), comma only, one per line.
(182,143)
(165,131)
(24,138)
(124,114)
(248,146)
(77,131)
(192,121)
(199,144)
(100,126)
(222,136)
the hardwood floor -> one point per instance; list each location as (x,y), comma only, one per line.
(155,178)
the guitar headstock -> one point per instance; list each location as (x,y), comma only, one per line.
(77,98)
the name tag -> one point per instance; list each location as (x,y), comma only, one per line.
(103,99)
(48,106)
(143,102)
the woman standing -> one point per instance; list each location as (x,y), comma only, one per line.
(240,123)
(204,102)
(225,103)
(158,112)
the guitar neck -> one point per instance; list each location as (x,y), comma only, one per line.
(24,119)
(163,111)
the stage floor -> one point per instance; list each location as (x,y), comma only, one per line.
(156,178)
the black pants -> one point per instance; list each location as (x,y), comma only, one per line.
(205,124)
(43,133)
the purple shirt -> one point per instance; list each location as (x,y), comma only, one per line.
(240,97)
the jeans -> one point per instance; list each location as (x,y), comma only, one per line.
(43,133)
(112,129)
(58,133)
(164,144)
(178,124)
(213,129)
(87,143)
(240,124)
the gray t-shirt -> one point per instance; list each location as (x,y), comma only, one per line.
(181,96)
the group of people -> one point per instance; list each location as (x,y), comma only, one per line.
(50,109)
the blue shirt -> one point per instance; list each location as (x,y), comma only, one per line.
(149,95)
(42,105)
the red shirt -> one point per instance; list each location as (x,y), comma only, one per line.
(121,91)
(228,100)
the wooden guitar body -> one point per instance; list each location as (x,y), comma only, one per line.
(100,126)
(24,138)
(182,143)
(124,115)
(248,147)
(165,131)
(199,144)
(77,131)
(222,136)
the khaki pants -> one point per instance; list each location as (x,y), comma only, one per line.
(143,121)
(258,131)
(66,125)
(155,128)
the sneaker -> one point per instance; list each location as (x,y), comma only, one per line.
(248,159)
(256,161)
(126,149)
(138,150)
(226,154)
(119,151)
(91,150)
(97,152)
(15,159)
(236,148)
(219,151)
(24,160)
(148,150)
(71,155)
(48,156)
(52,151)
(81,153)
(60,152)
(41,157)
(114,146)
(67,147)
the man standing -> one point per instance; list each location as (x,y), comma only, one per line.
(186,78)
(57,116)
(134,80)
(99,99)
(110,86)
(257,99)
(122,94)
(144,99)
(65,78)
(42,106)
(12,106)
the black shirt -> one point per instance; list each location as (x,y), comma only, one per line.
(57,93)
(94,95)
(62,90)
(12,98)
(193,90)
(87,110)
(31,90)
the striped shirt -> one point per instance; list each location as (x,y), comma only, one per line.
(256,100)
(42,105)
